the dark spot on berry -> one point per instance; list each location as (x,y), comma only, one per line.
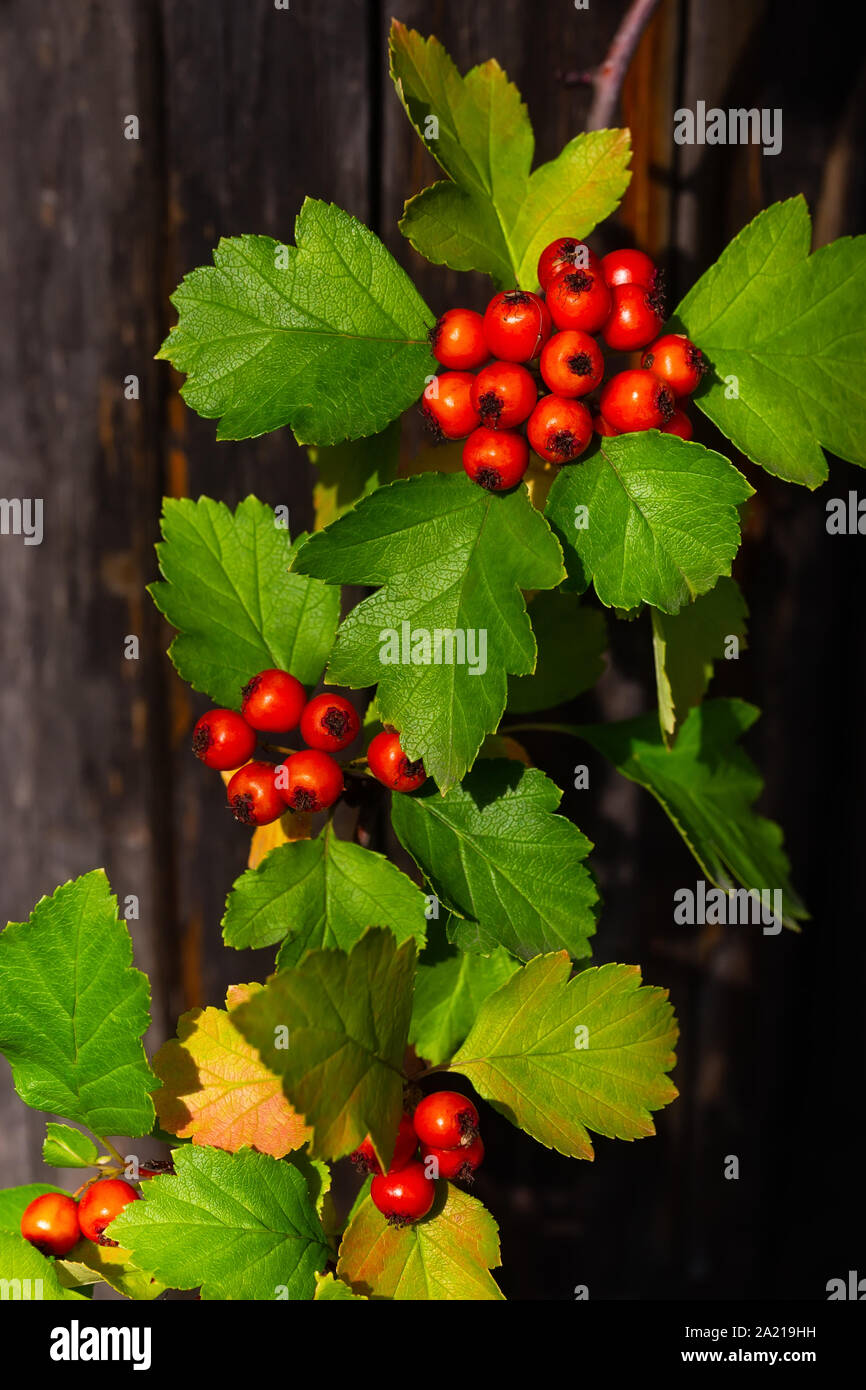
(361,1162)
(579,280)
(433,334)
(648,359)
(251,687)
(696,359)
(656,295)
(156,1165)
(665,402)
(303,800)
(466,1174)
(516,297)
(489,478)
(242,807)
(580,364)
(408,769)
(335,720)
(202,740)
(490,406)
(432,425)
(395,1219)
(567,250)
(106,1240)
(467,1126)
(562,444)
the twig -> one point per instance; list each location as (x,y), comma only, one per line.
(609,77)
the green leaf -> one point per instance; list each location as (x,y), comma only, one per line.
(571,640)
(686,646)
(660,519)
(347,1018)
(707,785)
(329,336)
(19,1260)
(329,1289)
(450,987)
(496,853)
(228,590)
(73,1011)
(448,1255)
(322,892)
(451,558)
(347,472)
(243,1226)
(65,1147)
(492,214)
(559,1057)
(790,328)
(14,1200)
(116,1267)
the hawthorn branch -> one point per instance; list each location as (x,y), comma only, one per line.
(608,78)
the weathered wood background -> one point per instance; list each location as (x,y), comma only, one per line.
(244,109)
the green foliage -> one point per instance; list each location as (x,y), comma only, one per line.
(450,987)
(686,645)
(571,638)
(65,1147)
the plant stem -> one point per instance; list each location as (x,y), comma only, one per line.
(609,77)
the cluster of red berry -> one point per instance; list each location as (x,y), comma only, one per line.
(275,702)
(445,1126)
(55,1221)
(618,296)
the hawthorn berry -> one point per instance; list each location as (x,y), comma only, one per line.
(579,299)
(447,405)
(309,780)
(457,340)
(253,796)
(100,1204)
(273,701)
(679,424)
(516,325)
(495,459)
(559,429)
(459,1164)
(329,722)
(50,1222)
(503,394)
(223,739)
(403,1196)
(600,425)
(627,267)
(446,1120)
(635,318)
(390,766)
(364,1157)
(636,400)
(566,253)
(675,359)
(571,363)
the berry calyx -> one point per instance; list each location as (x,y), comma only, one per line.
(50,1222)
(223,739)
(579,299)
(273,701)
(675,359)
(503,394)
(627,267)
(403,1196)
(329,722)
(454,1164)
(309,780)
(253,796)
(572,363)
(679,424)
(566,253)
(495,459)
(516,325)
(559,429)
(457,340)
(446,1120)
(100,1204)
(636,400)
(364,1157)
(635,318)
(389,764)
(447,405)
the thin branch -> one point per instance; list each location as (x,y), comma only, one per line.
(610,76)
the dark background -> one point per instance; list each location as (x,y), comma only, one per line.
(243,110)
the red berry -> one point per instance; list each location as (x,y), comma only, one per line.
(330,723)
(579,299)
(253,796)
(495,459)
(50,1222)
(677,361)
(679,424)
(446,1120)
(636,400)
(634,320)
(457,340)
(503,393)
(448,407)
(309,780)
(600,425)
(571,363)
(404,1196)
(516,325)
(566,253)
(99,1206)
(559,429)
(223,739)
(453,1163)
(629,268)
(390,765)
(364,1157)
(273,701)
